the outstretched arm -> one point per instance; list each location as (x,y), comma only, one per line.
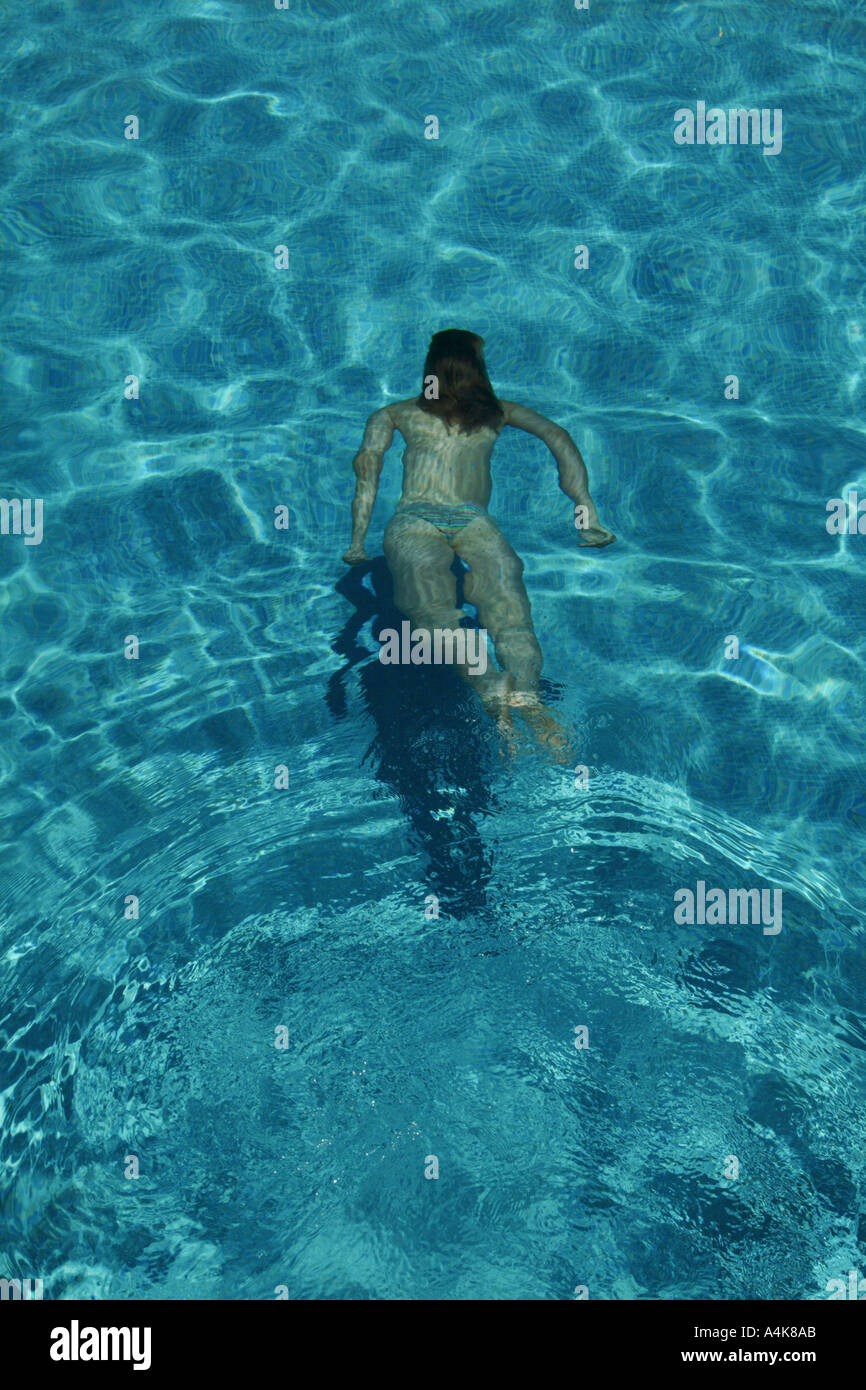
(572,470)
(367,464)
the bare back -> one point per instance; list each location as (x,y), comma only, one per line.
(441,464)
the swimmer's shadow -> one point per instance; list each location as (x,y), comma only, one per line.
(370,590)
(434,747)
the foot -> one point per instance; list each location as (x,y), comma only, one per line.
(555,738)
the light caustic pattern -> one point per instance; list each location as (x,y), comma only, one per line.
(430,925)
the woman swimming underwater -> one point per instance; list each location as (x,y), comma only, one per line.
(450,430)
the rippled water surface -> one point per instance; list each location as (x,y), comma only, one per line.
(410,1036)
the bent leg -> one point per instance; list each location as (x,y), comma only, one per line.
(420,559)
(494,585)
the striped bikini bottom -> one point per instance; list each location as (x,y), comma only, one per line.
(447,517)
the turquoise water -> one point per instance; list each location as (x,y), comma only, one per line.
(412,1036)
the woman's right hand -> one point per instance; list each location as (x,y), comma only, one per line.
(356,555)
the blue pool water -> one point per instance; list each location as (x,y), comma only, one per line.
(304,908)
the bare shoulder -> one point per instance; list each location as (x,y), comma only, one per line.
(401,411)
(523,417)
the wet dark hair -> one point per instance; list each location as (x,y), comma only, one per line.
(466,396)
